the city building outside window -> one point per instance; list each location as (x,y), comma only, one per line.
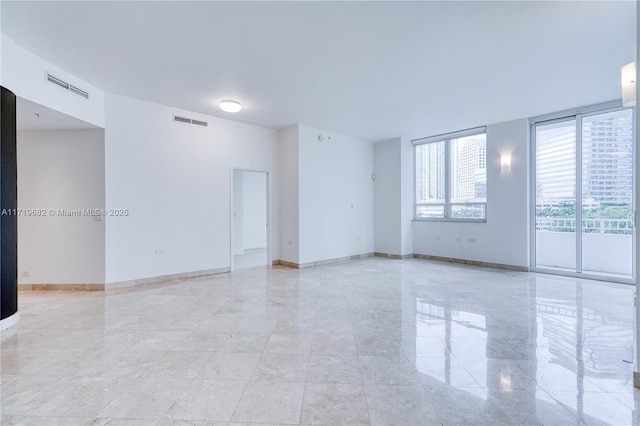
(451,176)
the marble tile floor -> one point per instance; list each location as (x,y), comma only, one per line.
(375,341)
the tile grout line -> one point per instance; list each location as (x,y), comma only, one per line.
(364,391)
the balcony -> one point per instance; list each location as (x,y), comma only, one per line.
(607,245)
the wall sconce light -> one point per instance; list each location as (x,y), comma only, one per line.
(505,381)
(628,80)
(505,163)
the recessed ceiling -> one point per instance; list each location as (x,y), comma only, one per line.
(33,116)
(372,70)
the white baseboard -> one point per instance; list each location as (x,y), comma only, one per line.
(10,321)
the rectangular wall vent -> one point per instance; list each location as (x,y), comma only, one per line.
(71,88)
(200,123)
(192,121)
(181,119)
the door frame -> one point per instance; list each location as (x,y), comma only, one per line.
(577,114)
(268,206)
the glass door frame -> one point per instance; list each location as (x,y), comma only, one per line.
(576,114)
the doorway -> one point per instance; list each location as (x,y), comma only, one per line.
(61,171)
(249,213)
(583,196)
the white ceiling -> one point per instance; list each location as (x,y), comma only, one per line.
(372,70)
(33,116)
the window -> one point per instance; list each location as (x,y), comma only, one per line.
(451,176)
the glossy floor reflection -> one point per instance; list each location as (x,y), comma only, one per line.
(250,258)
(376,341)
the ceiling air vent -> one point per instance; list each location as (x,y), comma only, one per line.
(192,121)
(200,123)
(71,88)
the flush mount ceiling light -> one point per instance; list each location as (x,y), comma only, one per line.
(230,106)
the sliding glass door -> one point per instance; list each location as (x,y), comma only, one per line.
(583,191)
(607,193)
(556,195)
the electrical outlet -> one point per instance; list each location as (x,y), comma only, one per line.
(25,274)
(159,251)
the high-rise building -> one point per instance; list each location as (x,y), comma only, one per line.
(607,161)
(430,171)
(607,165)
(471,166)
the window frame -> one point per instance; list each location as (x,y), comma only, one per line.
(447,138)
(581,112)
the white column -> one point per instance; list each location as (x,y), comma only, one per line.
(406,197)
(636,372)
(393,193)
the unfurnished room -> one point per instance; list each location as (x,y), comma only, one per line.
(319,213)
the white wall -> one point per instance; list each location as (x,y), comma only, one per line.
(387,196)
(393,200)
(335,195)
(504,237)
(61,169)
(289,195)
(175,179)
(254,205)
(238,213)
(24,74)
